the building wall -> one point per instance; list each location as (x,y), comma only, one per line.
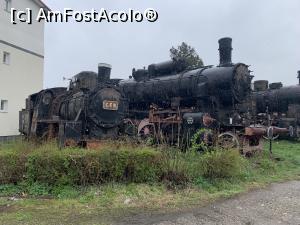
(24,75)
(27,36)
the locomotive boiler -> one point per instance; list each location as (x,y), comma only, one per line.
(93,108)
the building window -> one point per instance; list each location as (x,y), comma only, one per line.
(4,105)
(6,58)
(7,5)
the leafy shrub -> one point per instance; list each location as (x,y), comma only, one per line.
(38,189)
(48,167)
(11,189)
(202,140)
(144,166)
(221,164)
(12,167)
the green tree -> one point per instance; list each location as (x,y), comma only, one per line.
(187,54)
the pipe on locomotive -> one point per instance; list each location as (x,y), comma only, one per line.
(104,71)
(225,51)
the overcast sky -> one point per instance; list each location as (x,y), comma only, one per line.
(266,35)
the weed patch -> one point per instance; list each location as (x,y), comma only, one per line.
(221,164)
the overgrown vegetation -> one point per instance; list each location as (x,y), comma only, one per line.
(222,164)
(32,165)
(117,177)
(46,164)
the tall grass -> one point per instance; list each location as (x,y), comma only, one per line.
(45,164)
(222,164)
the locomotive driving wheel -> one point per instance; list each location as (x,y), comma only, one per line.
(228,140)
(147,131)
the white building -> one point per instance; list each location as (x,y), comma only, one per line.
(21,62)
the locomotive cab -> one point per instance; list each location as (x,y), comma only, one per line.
(85,80)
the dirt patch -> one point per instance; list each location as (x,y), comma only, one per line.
(277,204)
(6,208)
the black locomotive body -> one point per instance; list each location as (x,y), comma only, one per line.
(279,106)
(93,108)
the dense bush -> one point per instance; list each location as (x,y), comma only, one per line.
(84,167)
(49,165)
(12,167)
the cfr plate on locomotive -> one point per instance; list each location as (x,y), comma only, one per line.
(110,105)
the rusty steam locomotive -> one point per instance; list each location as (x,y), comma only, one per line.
(167,101)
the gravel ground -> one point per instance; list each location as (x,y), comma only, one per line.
(277,204)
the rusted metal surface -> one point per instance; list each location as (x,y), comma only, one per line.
(208,120)
(70,143)
(252,144)
(279,130)
(51,132)
(261,131)
(255,131)
(93,144)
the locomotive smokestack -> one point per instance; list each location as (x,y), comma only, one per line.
(299,76)
(104,71)
(225,50)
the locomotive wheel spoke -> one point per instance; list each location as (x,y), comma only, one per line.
(228,141)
